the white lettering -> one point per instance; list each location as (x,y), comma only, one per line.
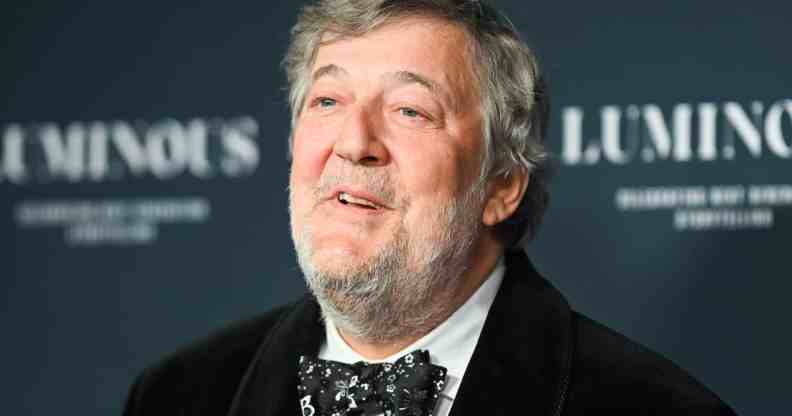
(648,129)
(708,113)
(660,134)
(711,219)
(774,133)
(98,151)
(306,407)
(196,135)
(572,119)
(97,154)
(770,195)
(744,127)
(64,156)
(726,195)
(126,141)
(12,166)
(611,143)
(167,149)
(238,138)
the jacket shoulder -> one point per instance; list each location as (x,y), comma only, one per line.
(612,372)
(206,372)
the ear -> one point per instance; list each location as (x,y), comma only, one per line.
(504,193)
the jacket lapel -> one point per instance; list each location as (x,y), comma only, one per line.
(522,359)
(269,387)
(520,365)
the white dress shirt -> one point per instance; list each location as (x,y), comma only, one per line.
(450,344)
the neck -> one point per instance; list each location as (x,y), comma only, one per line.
(486,258)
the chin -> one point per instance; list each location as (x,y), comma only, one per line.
(338,258)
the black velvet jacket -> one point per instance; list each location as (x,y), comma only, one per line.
(535,357)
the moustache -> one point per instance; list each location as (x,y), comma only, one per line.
(379,185)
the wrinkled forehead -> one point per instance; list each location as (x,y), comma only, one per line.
(446,47)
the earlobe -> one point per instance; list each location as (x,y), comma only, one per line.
(504,195)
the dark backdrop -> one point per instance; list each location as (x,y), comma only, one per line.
(143,171)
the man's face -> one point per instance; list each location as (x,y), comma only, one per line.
(387,145)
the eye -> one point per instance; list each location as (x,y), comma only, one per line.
(409,112)
(325,102)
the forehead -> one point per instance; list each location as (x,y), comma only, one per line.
(430,47)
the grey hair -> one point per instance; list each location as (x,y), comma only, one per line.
(515,105)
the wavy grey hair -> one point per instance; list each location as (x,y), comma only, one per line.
(515,105)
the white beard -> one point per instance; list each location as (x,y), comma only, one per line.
(406,287)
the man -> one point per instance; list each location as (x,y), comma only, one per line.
(418,168)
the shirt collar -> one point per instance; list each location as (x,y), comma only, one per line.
(451,344)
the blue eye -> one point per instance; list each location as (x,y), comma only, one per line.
(326,102)
(409,112)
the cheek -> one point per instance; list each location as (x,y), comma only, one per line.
(438,173)
(309,154)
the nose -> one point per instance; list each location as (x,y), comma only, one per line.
(359,141)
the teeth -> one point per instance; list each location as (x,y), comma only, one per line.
(349,199)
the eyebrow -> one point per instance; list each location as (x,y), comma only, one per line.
(331,70)
(407,77)
(401,77)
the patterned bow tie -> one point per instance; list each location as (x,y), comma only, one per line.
(408,387)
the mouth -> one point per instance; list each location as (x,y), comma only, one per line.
(357,201)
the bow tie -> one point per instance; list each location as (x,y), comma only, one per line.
(408,387)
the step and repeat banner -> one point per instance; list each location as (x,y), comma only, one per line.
(144,165)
